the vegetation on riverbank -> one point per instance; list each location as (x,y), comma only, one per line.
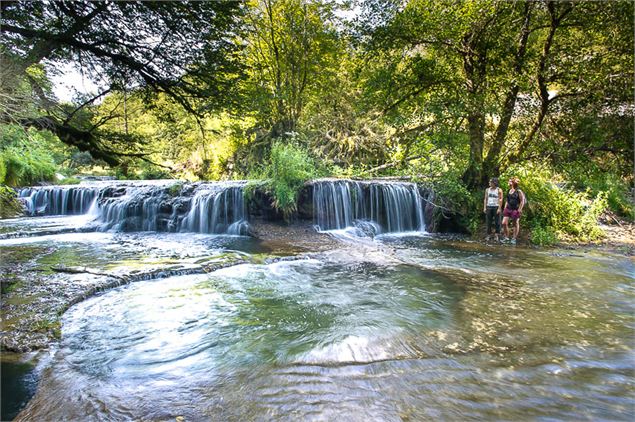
(447,93)
(9,205)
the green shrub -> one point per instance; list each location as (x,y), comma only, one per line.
(543,236)
(596,180)
(557,209)
(3,168)
(175,189)
(289,166)
(24,166)
(589,221)
(618,194)
(152,172)
(27,156)
(9,204)
(452,195)
(70,181)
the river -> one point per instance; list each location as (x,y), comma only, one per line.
(406,326)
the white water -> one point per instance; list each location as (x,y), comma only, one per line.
(363,209)
(371,207)
(162,205)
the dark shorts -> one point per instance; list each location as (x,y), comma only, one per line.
(513,214)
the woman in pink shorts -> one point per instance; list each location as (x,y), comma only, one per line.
(513,209)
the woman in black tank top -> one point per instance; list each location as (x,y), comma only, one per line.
(513,209)
(513,200)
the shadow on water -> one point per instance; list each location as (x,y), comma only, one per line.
(19,382)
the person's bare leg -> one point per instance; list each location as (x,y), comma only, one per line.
(516,228)
(505,226)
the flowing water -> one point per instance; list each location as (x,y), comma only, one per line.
(398,327)
(162,205)
(371,206)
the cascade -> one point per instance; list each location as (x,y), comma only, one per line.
(388,207)
(131,207)
(372,207)
(58,200)
(217,211)
(217,207)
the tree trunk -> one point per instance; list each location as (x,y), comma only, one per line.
(491,165)
(472,176)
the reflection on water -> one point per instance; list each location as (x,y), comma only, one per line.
(416,329)
(18,386)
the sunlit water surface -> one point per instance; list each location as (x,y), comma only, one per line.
(396,328)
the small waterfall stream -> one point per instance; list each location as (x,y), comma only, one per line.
(381,207)
(221,211)
(130,206)
(371,207)
(58,200)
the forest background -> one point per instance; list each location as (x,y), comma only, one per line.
(447,93)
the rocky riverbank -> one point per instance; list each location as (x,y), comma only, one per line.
(619,239)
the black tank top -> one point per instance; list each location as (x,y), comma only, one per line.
(513,200)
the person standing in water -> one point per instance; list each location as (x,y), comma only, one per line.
(513,209)
(492,205)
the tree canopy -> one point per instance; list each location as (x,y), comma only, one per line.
(505,74)
(434,89)
(187,50)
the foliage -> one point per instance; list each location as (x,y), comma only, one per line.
(9,204)
(26,156)
(619,197)
(543,236)
(557,210)
(291,48)
(175,189)
(507,75)
(3,169)
(289,166)
(26,167)
(454,193)
(152,172)
(187,50)
(451,196)
(69,181)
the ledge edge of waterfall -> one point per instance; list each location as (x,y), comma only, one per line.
(371,207)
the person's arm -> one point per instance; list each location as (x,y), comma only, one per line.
(485,202)
(522,200)
(500,200)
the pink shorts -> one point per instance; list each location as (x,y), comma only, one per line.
(513,214)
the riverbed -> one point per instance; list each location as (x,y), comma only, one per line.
(397,327)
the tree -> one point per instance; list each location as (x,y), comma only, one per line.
(186,50)
(500,71)
(291,51)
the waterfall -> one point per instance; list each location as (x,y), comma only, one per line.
(371,207)
(214,207)
(58,200)
(216,211)
(134,208)
(385,207)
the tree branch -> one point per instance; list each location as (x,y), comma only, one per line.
(84,104)
(541,77)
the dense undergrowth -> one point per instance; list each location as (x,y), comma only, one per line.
(557,209)
(288,168)
(9,205)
